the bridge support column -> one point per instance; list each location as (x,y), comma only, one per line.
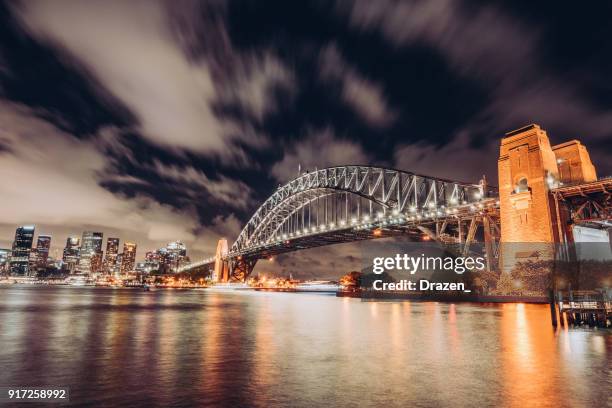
(240,268)
(221,272)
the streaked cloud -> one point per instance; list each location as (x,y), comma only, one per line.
(365,96)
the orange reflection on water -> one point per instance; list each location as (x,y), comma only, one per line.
(528,362)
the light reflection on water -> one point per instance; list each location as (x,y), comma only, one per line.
(180,348)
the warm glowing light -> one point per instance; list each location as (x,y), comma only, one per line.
(377,232)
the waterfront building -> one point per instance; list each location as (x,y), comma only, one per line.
(152,261)
(5,255)
(110,258)
(176,252)
(41,253)
(22,248)
(128,259)
(90,254)
(70,256)
(141,267)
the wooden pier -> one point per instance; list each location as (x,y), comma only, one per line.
(579,308)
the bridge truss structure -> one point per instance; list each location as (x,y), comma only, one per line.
(353,203)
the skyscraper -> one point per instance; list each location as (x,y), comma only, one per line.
(176,255)
(70,256)
(22,247)
(41,253)
(90,255)
(110,258)
(128,258)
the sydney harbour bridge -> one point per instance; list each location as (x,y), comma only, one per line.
(352,203)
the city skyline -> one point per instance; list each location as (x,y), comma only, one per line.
(29,254)
(159,122)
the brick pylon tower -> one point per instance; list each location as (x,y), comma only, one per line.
(221,266)
(528,168)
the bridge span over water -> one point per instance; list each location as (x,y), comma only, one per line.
(352,203)
(544,192)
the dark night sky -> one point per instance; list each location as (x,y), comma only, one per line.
(157,121)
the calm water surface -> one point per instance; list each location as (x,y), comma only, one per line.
(179,348)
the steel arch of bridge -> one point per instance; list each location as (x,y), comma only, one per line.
(382,189)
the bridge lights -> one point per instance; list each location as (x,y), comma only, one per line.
(478,195)
(331,225)
(453,200)
(379,215)
(395,211)
(353,220)
(342,222)
(412,208)
(366,217)
(431,204)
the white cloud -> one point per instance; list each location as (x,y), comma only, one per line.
(255,78)
(318,150)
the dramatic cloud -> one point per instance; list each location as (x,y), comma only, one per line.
(365,96)
(53,180)
(226,191)
(489,46)
(318,150)
(133,49)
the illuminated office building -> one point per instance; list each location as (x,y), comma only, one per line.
(176,255)
(70,256)
(41,253)
(110,258)
(22,248)
(90,255)
(128,259)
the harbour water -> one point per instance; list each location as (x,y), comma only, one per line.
(127,347)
